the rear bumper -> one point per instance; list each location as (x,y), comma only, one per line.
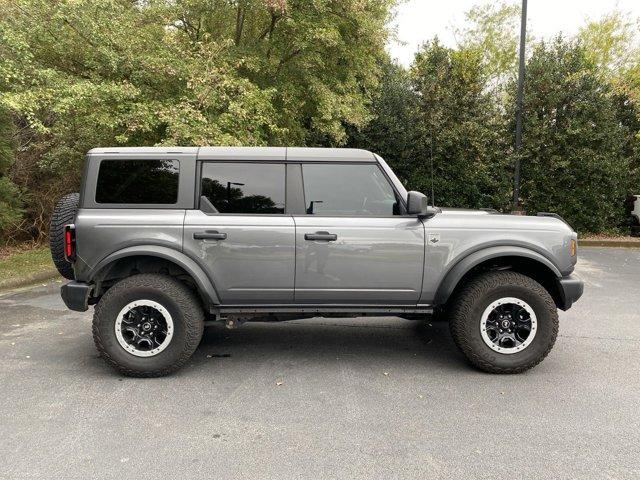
(75,295)
(571,289)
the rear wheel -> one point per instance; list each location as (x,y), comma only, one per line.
(148,325)
(504,322)
(63,214)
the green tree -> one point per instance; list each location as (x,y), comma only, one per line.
(10,205)
(455,112)
(493,30)
(80,74)
(574,158)
(392,131)
(610,42)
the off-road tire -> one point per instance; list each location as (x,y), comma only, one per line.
(471,301)
(184,307)
(63,214)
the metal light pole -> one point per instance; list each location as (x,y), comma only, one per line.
(518,145)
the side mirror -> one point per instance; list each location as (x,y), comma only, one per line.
(417,204)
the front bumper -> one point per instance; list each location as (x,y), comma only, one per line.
(571,289)
(75,295)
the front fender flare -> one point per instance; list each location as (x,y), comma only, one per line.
(455,274)
(203,282)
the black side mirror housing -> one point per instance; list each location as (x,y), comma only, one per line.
(418,204)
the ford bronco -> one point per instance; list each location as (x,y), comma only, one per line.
(162,241)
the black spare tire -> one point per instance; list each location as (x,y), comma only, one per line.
(63,214)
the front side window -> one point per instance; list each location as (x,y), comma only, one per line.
(153,182)
(244,188)
(348,189)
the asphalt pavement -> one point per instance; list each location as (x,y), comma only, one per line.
(327,398)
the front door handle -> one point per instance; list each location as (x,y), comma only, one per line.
(324,236)
(209,235)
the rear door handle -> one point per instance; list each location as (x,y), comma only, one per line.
(325,236)
(209,235)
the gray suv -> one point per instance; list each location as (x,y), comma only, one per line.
(164,240)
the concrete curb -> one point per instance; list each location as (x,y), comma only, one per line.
(13,283)
(593,242)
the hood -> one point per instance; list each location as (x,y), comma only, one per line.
(467,211)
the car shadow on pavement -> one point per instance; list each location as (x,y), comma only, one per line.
(394,342)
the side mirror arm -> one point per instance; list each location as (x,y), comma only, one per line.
(430,212)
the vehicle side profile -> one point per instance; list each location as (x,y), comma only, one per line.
(163,240)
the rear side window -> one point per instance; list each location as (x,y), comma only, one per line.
(348,189)
(249,188)
(138,182)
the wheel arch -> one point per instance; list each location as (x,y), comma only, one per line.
(519,259)
(164,256)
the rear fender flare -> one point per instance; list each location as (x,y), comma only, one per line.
(203,282)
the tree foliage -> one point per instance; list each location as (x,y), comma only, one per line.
(574,160)
(580,149)
(78,74)
(10,204)
(458,123)
(493,31)
(392,131)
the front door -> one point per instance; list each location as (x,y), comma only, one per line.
(354,245)
(241,235)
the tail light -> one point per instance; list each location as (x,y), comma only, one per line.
(70,243)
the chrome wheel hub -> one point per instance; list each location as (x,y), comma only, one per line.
(144,328)
(508,325)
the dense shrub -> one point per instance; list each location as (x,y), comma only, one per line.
(10,211)
(580,148)
(574,160)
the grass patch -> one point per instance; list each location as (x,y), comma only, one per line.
(18,263)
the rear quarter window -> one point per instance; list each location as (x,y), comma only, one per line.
(152,182)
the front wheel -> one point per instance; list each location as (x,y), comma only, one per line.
(504,322)
(148,325)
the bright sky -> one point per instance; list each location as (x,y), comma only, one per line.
(420,20)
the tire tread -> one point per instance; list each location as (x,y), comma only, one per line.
(472,293)
(63,214)
(188,303)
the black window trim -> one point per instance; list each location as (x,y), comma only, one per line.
(102,205)
(255,162)
(402,205)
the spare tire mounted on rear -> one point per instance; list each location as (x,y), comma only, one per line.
(63,214)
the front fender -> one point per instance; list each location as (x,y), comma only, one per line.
(205,286)
(455,273)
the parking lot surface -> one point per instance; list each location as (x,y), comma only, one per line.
(327,398)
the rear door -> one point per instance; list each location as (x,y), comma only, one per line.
(242,234)
(354,243)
